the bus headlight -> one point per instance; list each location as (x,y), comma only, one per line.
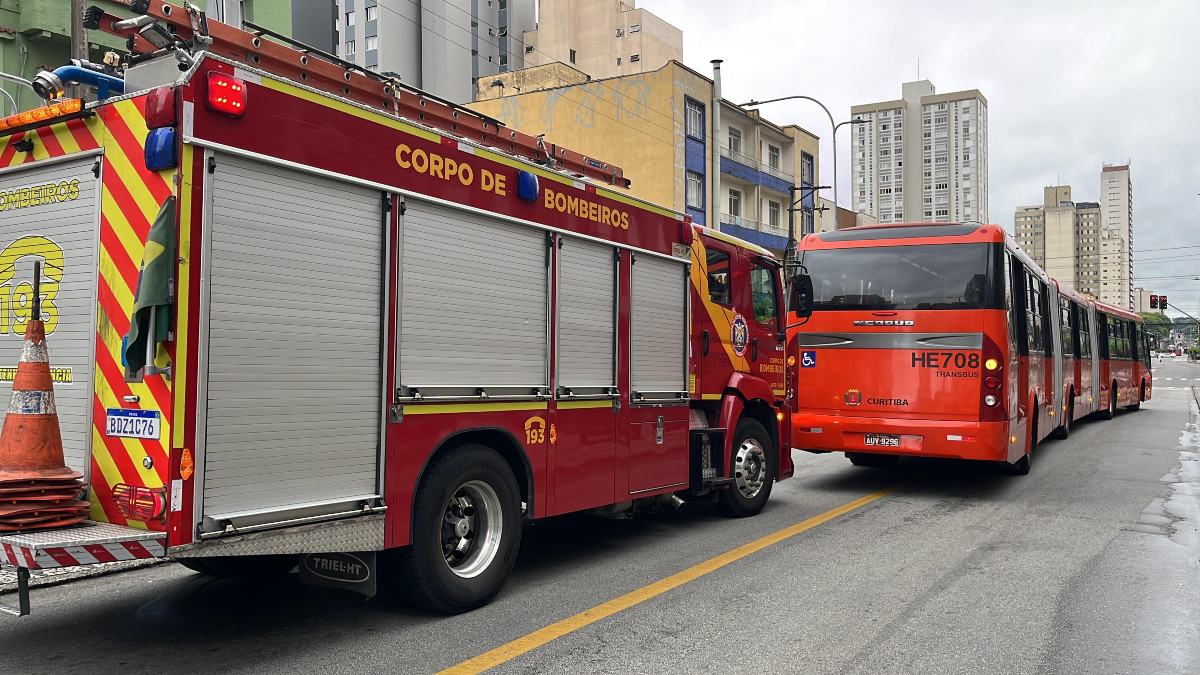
(991,364)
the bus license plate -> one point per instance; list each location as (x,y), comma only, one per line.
(134,423)
(884,440)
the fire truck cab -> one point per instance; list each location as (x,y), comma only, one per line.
(397,329)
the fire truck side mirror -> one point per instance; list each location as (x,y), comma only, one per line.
(801,298)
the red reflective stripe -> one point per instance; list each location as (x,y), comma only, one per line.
(100,553)
(135,150)
(62,557)
(53,147)
(103,494)
(137,549)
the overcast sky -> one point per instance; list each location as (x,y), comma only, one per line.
(1070,84)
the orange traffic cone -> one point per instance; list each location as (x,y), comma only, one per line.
(37,488)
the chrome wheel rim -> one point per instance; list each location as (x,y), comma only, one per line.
(472,525)
(750,468)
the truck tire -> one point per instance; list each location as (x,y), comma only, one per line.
(873,460)
(753,471)
(243,566)
(466,533)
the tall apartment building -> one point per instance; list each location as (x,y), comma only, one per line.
(923,157)
(1116,235)
(1067,239)
(440,46)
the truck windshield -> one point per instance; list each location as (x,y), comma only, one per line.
(930,276)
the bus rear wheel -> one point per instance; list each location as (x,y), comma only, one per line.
(873,460)
(466,533)
(1064,431)
(1111,411)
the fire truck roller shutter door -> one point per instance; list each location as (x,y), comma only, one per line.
(586,316)
(295,277)
(658,334)
(473,303)
(48,212)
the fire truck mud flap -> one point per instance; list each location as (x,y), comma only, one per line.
(86,544)
(354,572)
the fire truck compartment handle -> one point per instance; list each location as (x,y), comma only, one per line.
(754,349)
(704,343)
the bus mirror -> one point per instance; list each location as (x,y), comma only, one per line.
(801,299)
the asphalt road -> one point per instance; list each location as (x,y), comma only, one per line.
(1089,564)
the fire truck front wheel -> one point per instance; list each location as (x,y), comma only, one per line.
(753,473)
(466,532)
(242,567)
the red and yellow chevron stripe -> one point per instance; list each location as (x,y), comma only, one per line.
(130,197)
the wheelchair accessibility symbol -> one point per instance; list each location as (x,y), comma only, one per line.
(808,359)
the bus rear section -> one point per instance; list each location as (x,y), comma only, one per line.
(906,349)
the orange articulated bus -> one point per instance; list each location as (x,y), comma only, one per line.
(948,340)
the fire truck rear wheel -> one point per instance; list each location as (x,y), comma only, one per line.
(466,532)
(242,567)
(753,473)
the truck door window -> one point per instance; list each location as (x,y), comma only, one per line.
(763,294)
(719,276)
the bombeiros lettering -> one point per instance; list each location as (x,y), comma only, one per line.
(39,195)
(586,209)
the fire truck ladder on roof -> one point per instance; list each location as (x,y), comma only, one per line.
(301,63)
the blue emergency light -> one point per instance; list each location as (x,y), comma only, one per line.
(527,186)
(160,149)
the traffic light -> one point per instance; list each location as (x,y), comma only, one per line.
(1154,302)
(1162,302)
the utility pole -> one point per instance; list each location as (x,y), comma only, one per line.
(78,41)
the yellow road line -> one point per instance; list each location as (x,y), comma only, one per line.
(543,636)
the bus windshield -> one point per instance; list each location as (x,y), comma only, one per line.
(929,276)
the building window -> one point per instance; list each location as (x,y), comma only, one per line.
(637,27)
(572,56)
(773,211)
(349,19)
(735,140)
(807,169)
(618,60)
(372,12)
(735,203)
(371,42)
(635,58)
(349,48)
(694,120)
(773,154)
(695,190)
(620,32)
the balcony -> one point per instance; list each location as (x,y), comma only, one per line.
(755,232)
(756,170)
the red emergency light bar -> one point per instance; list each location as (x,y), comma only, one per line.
(351,82)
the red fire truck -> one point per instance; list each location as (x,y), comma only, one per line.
(395,328)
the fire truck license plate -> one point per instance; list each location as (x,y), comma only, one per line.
(886,440)
(134,423)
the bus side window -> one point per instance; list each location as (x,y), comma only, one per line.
(1046,319)
(1067,333)
(1085,333)
(1038,316)
(1011,303)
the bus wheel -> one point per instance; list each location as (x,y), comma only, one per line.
(1021,466)
(1065,430)
(1141,397)
(241,567)
(753,471)
(873,460)
(466,533)
(1111,411)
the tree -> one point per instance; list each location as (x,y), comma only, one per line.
(1158,325)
